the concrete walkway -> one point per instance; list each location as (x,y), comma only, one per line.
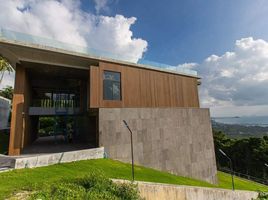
(41,160)
(46,145)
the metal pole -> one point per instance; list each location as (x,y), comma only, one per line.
(231,166)
(132,154)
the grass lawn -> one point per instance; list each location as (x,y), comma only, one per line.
(35,178)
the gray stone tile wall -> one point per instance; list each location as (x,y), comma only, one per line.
(177,140)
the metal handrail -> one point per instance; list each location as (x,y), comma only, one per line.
(245,176)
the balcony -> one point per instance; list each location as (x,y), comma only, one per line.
(48,107)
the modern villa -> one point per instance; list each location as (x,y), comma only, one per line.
(94,93)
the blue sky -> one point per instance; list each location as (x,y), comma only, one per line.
(179,31)
(225,41)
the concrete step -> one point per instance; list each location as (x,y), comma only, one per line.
(7,161)
(40,160)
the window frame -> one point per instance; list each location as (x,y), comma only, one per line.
(113,81)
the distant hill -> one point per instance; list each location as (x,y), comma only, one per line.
(240,131)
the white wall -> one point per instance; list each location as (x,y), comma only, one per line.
(4,112)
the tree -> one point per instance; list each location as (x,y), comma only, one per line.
(4,67)
(7,92)
(248,154)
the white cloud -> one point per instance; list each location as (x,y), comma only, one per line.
(120,41)
(101,5)
(64,20)
(237,78)
(48,18)
(188,65)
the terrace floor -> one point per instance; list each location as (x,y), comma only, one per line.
(48,144)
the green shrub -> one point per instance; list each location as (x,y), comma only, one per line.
(95,180)
(104,195)
(94,186)
(61,191)
(262,196)
(127,191)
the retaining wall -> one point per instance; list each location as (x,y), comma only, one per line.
(177,140)
(32,161)
(157,191)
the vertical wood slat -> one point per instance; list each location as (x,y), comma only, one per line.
(132,86)
(16,127)
(144,88)
(94,87)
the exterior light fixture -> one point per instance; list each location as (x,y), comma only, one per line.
(265,164)
(231,166)
(132,155)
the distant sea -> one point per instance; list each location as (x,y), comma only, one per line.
(247,121)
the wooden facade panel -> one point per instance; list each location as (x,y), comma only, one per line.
(152,88)
(190,96)
(94,87)
(146,93)
(195,93)
(159,89)
(179,92)
(166,97)
(172,90)
(133,87)
(144,88)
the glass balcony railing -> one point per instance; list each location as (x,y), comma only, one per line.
(48,103)
(167,67)
(26,38)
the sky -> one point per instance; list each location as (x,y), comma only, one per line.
(225,41)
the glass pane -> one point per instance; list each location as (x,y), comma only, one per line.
(116,77)
(107,90)
(116,91)
(113,76)
(111,85)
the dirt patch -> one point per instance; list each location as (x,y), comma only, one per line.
(20,195)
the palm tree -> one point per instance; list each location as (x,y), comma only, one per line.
(4,67)
(7,92)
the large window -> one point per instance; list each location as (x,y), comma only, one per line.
(111,85)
